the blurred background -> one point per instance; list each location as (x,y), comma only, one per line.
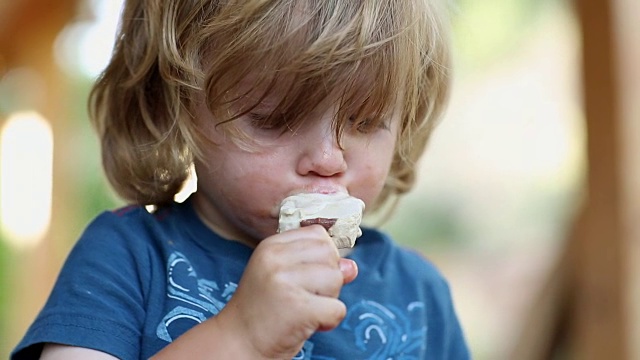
(529,192)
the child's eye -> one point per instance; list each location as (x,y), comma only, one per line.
(367,125)
(264,121)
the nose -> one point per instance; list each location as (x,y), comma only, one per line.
(320,152)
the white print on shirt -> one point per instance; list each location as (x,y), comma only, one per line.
(387,332)
(377,331)
(199,298)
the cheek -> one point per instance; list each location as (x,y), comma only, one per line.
(375,181)
(372,176)
(254,180)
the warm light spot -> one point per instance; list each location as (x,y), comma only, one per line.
(85,47)
(189,186)
(26,171)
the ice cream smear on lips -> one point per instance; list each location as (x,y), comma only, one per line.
(339,213)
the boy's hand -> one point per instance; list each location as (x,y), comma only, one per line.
(288,291)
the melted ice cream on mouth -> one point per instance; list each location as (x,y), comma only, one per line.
(339,213)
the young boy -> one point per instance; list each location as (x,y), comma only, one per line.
(267,99)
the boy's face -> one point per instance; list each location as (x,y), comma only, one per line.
(240,190)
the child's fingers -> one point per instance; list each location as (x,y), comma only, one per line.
(349,269)
(311,244)
(330,312)
(299,234)
(317,279)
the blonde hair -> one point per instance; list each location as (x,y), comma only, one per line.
(377,54)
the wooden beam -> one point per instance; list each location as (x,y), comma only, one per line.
(29,20)
(600,264)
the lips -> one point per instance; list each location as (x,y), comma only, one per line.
(324,189)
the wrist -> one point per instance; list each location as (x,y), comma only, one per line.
(215,338)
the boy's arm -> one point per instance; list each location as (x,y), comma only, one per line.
(209,340)
(200,343)
(66,352)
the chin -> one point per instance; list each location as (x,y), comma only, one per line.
(260,232)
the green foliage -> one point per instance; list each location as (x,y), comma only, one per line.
(484,31)
(91,186)
(428,224)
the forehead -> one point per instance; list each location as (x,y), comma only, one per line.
(273,90)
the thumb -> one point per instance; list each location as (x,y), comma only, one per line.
(349,270)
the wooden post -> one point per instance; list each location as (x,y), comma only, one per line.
(601,305)
(28,31)
(627,30)
(590,306)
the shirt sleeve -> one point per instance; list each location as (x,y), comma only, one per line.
(455,344)
(449,337)
(446,338)
(97,300)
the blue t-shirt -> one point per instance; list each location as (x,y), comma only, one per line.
(136,280)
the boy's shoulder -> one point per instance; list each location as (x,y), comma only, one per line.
(132,217)
(386,255)
(128,213)
(129,228)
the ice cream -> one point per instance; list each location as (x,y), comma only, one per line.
(339,213)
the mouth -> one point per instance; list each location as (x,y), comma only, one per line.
(322,189)
(314,189)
